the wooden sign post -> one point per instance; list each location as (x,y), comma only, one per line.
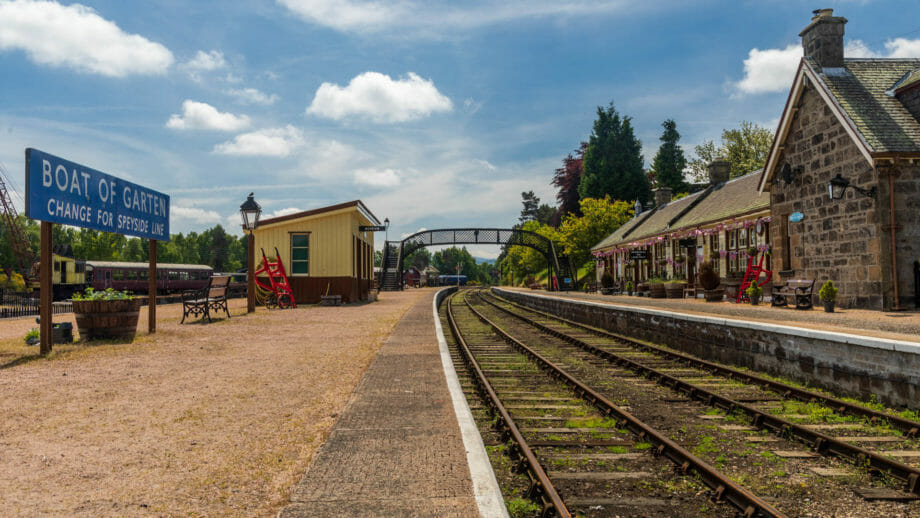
(152,289)
(61,191)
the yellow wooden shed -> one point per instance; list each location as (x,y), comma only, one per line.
(323,250)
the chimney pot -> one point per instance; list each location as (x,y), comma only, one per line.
(719,171)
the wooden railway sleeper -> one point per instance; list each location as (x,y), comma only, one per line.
(908,427)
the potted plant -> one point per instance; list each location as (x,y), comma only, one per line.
(754,291)
(607,283)
(656,288)
(752,251)
(715,255)
(674,289)
(828,294)
(709,279)
(629,287)
(106,314)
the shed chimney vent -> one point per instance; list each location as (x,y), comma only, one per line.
(662,196)
(822,40)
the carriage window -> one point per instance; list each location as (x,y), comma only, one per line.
(183,276)
(57,266)
(300,254)
(118,275)
(142,275)
(131,275)
(173,275)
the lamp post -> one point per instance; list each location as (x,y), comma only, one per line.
(386,229)
(838,185)
(250,212)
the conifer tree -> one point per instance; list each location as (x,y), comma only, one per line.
(613,160)
(669,162)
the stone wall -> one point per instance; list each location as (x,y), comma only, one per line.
(837,239)
(846,364)
(905,179)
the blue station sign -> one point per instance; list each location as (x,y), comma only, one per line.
(61,191)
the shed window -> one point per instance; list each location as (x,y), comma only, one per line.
(300,254)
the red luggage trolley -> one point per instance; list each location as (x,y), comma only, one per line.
(278,293)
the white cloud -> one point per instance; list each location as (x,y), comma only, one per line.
(75,36)
(197,216)
(903,48)
(206,61)
(769,70)
(379,98)
(858,49)
(277,142)
(283,212)
(377,177)
(252,96)
(433,17)
(203,116)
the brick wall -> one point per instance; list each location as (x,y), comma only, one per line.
(837,239)
(846,364)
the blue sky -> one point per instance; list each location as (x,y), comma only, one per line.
(434,113)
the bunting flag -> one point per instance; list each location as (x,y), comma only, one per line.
(685,233)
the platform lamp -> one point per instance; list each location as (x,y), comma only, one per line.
(250,212)
(386,229)
(838,185)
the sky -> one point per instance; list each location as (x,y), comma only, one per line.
(436,114)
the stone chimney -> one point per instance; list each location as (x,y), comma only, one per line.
(719,171)
(662,196)
(822,40)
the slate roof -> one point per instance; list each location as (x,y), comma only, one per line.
(864,90)
(731,199)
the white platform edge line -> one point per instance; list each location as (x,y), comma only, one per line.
(485,486)
(832,336)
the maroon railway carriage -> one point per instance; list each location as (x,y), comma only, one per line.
(134,276)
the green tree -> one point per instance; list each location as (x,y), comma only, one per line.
(600,217)
(420,258)
(447,260)
(613,160)
(746,149)
(669,162)
(531,204)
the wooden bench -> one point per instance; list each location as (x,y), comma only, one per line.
(213,297)
(799,289)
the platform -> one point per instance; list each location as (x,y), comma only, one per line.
(402,446)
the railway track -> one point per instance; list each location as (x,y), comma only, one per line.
(739,439)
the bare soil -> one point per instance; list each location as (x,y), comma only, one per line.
(199,419)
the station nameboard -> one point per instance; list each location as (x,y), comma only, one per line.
(61,191)
(638,254)
(371,228)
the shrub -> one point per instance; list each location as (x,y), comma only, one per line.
(828,292)
(607,280)
(708,276)
(754,290)
(32,335)
(108,294)
(655,280)
(629,285)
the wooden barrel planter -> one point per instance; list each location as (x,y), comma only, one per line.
(675,290)
(107,318)
(656,290)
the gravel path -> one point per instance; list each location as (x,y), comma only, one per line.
(215,419)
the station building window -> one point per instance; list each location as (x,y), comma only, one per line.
(300,254)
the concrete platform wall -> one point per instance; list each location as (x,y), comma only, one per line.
(847,364)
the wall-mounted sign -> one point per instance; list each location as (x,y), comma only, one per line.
(638,254)
(372,228)
(61,191)
(796,217)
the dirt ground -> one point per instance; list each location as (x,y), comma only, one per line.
(217,419)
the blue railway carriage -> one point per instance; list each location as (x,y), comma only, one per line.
(451,280)
(133,277)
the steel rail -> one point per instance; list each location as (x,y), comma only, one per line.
(821,443)
(908,427)
(725,488)
(540,483)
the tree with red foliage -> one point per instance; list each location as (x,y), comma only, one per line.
(566,179)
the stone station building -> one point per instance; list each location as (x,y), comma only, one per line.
(856,121)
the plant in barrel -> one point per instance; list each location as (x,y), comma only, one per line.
(709,279)
(828,294)
(754,291)
(106,314)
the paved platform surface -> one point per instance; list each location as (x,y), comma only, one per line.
(396,450)
(894,325)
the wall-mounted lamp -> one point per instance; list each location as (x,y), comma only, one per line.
(838,185)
